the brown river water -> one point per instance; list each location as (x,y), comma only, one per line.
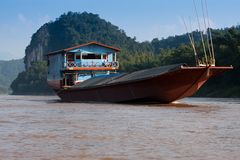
(42,128)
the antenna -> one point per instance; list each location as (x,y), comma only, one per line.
(204,48)
(192,43)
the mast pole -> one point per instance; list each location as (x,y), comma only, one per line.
(204,47)
(192,43)
(210,33)
(205,25)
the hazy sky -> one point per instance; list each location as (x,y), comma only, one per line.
(145,19)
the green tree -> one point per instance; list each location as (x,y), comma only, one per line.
(32,81)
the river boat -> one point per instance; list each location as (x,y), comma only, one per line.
(88,72)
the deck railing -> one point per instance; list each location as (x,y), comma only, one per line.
(72,64)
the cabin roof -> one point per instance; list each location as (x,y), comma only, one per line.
(82,45)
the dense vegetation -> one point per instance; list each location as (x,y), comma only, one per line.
(227,48)
(74,28)
(33,80)
(8,72)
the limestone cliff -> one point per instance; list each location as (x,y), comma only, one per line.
(38,46)
(71,29)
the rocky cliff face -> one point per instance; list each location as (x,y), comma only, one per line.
(38,47)
(71,29)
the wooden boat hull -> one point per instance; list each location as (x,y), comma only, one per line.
(164,88)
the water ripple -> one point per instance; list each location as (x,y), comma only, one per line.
(39,127)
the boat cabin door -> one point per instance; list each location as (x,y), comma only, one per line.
(69,79)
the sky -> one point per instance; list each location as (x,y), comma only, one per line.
(144,19)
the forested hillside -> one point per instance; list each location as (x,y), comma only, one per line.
(8,72)
(227,48)
(76,28)
(32,81)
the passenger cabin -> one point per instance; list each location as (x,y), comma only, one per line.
(76,64)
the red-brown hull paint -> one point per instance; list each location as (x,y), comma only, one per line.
(164,88)
(54,84)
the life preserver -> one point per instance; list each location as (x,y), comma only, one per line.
(107,64)
(71,64)
(115,64)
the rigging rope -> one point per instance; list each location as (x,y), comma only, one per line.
(204,47)
(192,43)
(210,34)
(205,25)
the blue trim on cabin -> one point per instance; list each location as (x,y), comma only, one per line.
(83,77)
(57,62)
(93,49)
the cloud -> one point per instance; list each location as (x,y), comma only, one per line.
(22,18)
(33,24)
(165,30)
(148,31)
(44,19)
(26,22)
(157,30)
(19,35)
(193,24)
(8,56)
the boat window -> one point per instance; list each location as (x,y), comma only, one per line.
(91,56)
(78,56)
(104,56)
(70,57)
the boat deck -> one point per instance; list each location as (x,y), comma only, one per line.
(123,78)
